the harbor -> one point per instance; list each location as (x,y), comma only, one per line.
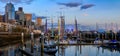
(40,47)
(59,28)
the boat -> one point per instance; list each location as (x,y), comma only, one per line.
(50,44)
(97,41)
(72,42)
(50,51)
(113,44)
(106,41)
(50,48)
(63,42)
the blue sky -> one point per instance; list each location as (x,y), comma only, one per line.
(103,11)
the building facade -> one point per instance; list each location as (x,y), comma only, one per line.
(39,21)
(9,12)
(28,19)
(1,18)
(20,16)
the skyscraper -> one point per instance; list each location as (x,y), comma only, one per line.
(9,12)
(20,16)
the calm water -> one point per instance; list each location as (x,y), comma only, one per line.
(86,50)
(79,50)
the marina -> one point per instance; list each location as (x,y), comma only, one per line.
(59,28)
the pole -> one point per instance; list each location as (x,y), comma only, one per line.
(52,28)
(42,44)
(58,30)
(22,34)
(32,42)
(115,36)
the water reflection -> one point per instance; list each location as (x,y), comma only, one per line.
(76,50)
(79,50)
(86,50)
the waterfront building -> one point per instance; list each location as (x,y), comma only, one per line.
(20,17)
(1,18)
(39,26)
(28,19)
(39,21)
(9,12)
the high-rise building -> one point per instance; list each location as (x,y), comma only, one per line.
(39,21)
(28,19)
(20,16)
(9,12)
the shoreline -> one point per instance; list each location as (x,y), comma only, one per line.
(10,39)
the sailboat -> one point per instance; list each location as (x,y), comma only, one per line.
(61,31)
(50,47)
(97,40)
(75,37)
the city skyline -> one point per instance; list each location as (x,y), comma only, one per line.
(103,11)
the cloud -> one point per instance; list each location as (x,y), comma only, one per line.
(86,6)
(34,16)
(43,17)
(17,1)
(71,4)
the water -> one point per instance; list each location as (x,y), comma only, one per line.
(74,50)
(86,50)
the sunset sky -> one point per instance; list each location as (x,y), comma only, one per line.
(102,11)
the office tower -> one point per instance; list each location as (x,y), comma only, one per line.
(9,12)
(20,17)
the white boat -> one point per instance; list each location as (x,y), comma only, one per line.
(72,42)
(97,41)
(63,42)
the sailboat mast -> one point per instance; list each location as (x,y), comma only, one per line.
(46,26)
(76,27)
(62,25)
(97,27)
(58,27)
(52,27)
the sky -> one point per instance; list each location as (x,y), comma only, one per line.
(100,11)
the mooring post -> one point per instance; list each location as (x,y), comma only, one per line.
(42,44)
(22,34)
(32,42)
